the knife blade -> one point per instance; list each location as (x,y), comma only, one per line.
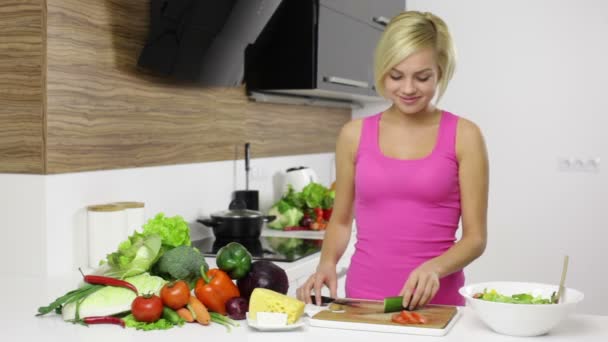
(389,304)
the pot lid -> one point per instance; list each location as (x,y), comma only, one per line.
(237,209)
(237,213)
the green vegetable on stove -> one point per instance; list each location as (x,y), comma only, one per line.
(316,195)
(286,215)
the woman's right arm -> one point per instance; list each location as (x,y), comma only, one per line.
(339,227)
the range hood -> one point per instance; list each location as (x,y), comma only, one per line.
(312,53)
(203,41)
(225,61)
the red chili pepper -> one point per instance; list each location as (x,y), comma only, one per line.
(104,320)
(108,281)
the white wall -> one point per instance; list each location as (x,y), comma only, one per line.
(370,109)
(33,207)
(532,75)
(22,223)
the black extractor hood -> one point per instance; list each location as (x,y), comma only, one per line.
(203,41)
(318,52)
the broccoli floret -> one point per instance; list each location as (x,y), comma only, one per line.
(183,262)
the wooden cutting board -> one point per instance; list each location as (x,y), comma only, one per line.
(369,316)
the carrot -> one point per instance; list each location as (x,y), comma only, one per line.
(185,314)
(200,311)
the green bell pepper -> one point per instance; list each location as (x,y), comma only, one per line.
(234,259)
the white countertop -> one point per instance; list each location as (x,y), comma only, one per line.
(23,295)
(301,234)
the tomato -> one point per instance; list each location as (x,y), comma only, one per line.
(147,308)
(318,215)
(397,318)
(408,317)
(175,295)
(418,317)
(327,213)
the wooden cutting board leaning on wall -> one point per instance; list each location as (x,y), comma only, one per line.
(369,316)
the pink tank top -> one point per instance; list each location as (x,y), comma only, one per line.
(407,212)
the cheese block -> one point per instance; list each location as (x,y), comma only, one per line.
(265,300)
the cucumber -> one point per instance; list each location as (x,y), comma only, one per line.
(172,316)
(393,304)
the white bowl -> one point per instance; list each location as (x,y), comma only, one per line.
(521,319)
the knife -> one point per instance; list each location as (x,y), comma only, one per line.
(389,304)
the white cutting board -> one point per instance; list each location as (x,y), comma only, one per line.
(399,329)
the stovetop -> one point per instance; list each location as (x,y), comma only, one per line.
(282,249)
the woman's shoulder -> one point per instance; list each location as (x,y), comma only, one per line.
(353,127)
(468,136)
(350,135)
(351,130)
(467,128)
(464,126)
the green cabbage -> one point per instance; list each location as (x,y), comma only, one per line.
(134,256)
(112,300)
(141,250)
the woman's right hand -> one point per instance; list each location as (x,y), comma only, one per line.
(325,275)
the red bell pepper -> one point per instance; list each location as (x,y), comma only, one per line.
(214,289)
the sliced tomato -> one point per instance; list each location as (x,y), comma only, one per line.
(418,317)
(397,318)
(409,317)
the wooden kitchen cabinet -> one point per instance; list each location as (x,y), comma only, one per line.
(72,98)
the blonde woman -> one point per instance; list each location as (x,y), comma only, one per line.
(408,174)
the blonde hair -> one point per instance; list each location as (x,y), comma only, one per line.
(408,33)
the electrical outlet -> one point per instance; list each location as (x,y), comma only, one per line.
(578,164)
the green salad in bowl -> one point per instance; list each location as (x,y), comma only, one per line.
(519,298)
(520,308)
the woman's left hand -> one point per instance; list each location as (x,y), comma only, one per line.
(420,287)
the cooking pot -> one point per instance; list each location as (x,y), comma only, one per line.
(237,222)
